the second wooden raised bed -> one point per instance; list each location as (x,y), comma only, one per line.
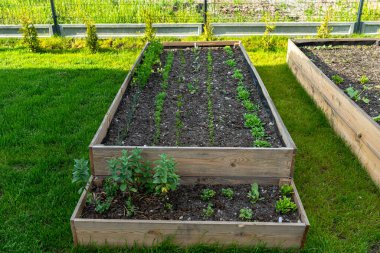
(355,126)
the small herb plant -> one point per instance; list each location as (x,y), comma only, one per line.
(356,94)
(207,194)
(231,63)
(130,172)
(81,173)
(337,79)
(103,206)
(228,193)
(285,205)
(130,208)
(237,74)
(377,118)
(254,194)
(165,178)
(209,211)
(229,52)
(246,214)
(286,190)
(363,79)
(324,31)
(261,144)
(192,89)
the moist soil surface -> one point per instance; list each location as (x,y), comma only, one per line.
(188,206)
(134,122)
(351,62)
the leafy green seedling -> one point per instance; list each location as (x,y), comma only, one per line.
(249,106)
(252,120)
(103,206)
(237,74)
(286,190)
(258,132)
(337,79)
(168,206)
(254,194)
(377,118)
(209,211)
(165,178)
(231,63)
(207,194)
(192,89)
(243,93)
(228,193)
(261,144)
(110,187)
(81,173)
(285,205)
(130,207)
(229,51)
(363,79)
(246,214)
(356,94)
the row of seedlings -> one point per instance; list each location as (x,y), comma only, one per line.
(211,127)
(140,79)
(160,98)
(181,79)
(251,118)
(283,206)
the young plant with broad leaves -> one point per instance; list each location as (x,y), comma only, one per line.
(165,178)
(81,173)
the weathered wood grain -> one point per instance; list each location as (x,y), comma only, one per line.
(149,232)
(358,129)
(207,161)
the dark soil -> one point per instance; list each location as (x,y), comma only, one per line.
(187,205)
(137,128)
(351,62)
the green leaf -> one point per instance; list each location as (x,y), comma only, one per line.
(365,100)
(123,187)
(377,118)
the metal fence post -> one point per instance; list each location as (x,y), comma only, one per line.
(56,30)
(358,24)
(204,13)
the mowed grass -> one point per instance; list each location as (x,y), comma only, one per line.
(51,105)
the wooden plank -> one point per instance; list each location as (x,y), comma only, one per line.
(359,130)
(208,161)
(200,43)
(78,210)
(336,42)
(150,232)
(280,124)
(103,128)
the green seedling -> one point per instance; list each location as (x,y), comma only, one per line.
(246,214)
(285,205)
(103,206)
(356,94)
(337,79)
(165,178)
(286,190)
(363,79)
(209,211)
(207,194)
(192,89)
(130,208)
(238,75)
(377,118)
(81,173)
(228,193)
(252,120)
(231,63)
(229,51)
(254,194)
(261,144)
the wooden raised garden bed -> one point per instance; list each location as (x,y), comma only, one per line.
(343,78)
(203,127)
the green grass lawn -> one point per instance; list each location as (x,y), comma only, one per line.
(51,105)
